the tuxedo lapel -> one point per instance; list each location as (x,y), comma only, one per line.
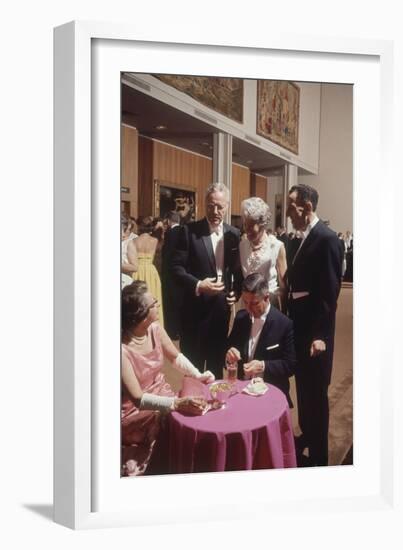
(244,344)
(228,244)
(306,242)
(259,350)
(206,238)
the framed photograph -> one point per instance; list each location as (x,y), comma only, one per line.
(175,198)
(278,112)
(89,491)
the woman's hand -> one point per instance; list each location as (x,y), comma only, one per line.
(190,405)
(207,377)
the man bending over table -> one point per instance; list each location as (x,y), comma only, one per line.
(262,337)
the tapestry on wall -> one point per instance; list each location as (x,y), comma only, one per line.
(224,95)
(278,112)
(173,197)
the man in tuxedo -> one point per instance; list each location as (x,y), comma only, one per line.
(314,279)
(171,292)
(262,337)
(206,266)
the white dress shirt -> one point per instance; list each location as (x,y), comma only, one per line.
(305,233)
(255,331)
(217,241)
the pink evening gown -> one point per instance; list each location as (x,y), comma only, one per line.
(140,428)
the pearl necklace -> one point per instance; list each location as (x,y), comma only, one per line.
(139,339)
(256,257)
(259,245)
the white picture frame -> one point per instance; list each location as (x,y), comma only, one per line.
(88,491)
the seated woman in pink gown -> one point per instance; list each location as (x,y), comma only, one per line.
(146,395)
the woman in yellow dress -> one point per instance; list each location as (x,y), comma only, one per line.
(140,254)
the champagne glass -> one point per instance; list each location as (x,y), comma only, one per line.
(232,374)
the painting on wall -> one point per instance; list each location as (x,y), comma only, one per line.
(278,112)
(224,95)
(173,197)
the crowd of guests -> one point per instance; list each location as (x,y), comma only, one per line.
(185,282)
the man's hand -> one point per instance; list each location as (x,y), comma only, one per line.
(232,356)
(317,347)
(231,298)
(208,286)
(253,368)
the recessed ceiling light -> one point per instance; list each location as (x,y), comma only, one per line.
(160,127)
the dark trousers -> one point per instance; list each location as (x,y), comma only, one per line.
(313,412)
(171,315)
(206,352)
(203,337)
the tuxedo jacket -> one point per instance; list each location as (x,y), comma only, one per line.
(171,291)
(283,238)
(193,259)
(275,347)
(316,269)
(170,242)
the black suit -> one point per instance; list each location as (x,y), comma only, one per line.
(205,318)
(277,333)
(283,238)
(171,291)
(317,270)
(292,247)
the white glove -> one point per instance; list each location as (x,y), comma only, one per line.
(152,402)
(207,377)
(183,365)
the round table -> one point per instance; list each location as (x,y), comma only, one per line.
(251,432)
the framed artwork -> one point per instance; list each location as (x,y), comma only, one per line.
(178,198)
(224,95)
(89,491)
(278,112)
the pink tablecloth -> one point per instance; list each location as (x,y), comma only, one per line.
(250,433)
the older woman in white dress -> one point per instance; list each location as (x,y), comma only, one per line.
(263,253)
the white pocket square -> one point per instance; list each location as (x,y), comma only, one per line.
(272,347)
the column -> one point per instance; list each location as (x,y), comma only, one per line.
(290,179)
(222,164)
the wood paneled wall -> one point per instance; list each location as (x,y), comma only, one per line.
(261,187)
(176,166)
(240,187)
(129,174)
(146,155)
(145,160)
